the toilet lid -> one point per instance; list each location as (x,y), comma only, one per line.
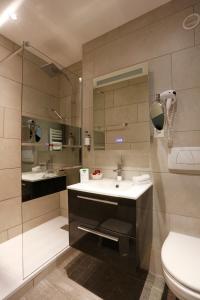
(181,258)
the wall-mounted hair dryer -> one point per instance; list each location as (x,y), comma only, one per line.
(163,112)
(168,98)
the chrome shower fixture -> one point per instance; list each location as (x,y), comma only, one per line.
(57,114)
(51,69)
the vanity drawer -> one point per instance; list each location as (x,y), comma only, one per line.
(111,248)
(107,215)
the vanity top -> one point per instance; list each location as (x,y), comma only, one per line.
(110,187)
(37,176)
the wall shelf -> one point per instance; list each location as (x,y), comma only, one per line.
(48,145)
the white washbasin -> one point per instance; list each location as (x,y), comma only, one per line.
(110,187)
(31,176)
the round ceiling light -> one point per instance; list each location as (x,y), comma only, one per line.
(191,21)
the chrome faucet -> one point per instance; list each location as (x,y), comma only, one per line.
(119,167)
(49,165)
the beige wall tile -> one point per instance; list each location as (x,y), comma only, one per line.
(131,94)
(154,38)
(40,206)
(155,266)
(87,93)
(38,79)
(133,159)
(185,225)
(141,147)
(88,120)
(64,200)
(120,115)
(197,30)
(130,49)
(11,69)
(107,159)
(64,87)
(160,74)
(40,220)
(10,93)
(10,183)
(1,121)
(14,231)
(177,194)
(10,213)
(160,13)
(12,123)
(98,100)
(143,112)
(3,236)
(186,138)
(64,212)
(186,68)
(159,155)
(123,146)
(10,153)
(88,65)
(66,107)
(99,119)
(109,99)
(188,110)
(161,228)
(39,104)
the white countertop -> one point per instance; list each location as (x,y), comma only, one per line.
(32,177)
(127,189)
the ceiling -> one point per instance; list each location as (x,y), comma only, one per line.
(60,27)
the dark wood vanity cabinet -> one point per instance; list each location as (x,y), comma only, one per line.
(40,188)
(115,230)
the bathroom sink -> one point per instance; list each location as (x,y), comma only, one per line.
(31,176)
(110,187)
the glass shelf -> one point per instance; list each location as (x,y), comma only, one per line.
(48,145)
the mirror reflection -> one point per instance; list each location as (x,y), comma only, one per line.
(118,109)
(51,155)
(157,115)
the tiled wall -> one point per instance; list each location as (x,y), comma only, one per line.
(39,93)
(173,57)
(10,143)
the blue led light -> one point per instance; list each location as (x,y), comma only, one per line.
(119,140)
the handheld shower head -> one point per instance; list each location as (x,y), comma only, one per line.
(57,114)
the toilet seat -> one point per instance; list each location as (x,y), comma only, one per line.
(180,257)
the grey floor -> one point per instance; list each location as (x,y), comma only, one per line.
(77,279)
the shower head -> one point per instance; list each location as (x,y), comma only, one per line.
(51,69)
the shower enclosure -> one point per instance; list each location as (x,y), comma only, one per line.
(51,154)
(40,139)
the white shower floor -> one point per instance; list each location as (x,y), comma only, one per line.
(40,245)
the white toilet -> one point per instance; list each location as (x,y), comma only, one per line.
(180,257)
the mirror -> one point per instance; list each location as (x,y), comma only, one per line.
(157,115)
(120,111)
